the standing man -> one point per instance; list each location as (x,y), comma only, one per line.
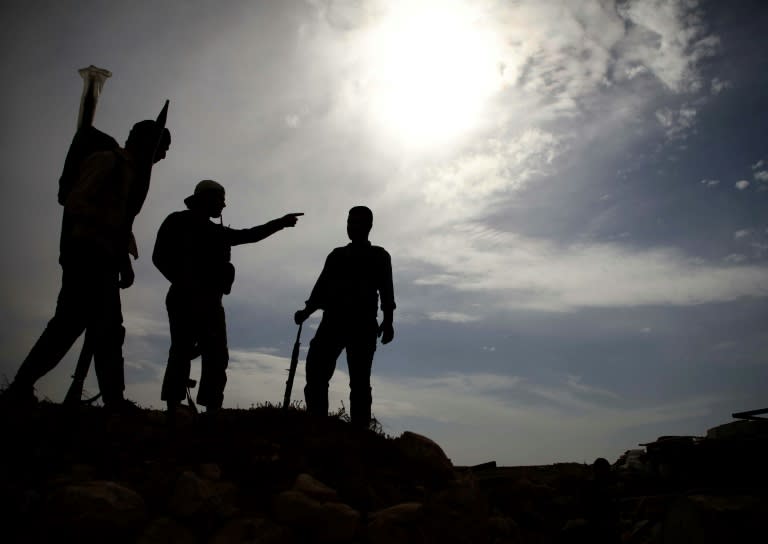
(99,210)
(348,290)
(193,253)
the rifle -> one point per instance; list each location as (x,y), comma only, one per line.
(292,370)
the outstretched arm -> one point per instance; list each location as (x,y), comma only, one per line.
(256,234)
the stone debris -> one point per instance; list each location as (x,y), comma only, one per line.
(268,476)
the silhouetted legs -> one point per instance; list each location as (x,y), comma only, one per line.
(196,319)
(332,337)
(89,297)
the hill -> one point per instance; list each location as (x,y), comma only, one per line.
(266,475)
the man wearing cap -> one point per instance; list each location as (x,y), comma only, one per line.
(99,209)
(348,290)
(193,253)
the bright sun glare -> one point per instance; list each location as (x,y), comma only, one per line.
(431,67)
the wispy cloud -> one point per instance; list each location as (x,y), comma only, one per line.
(519,272)
(452,317)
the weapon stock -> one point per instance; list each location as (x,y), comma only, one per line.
(292,370)
(75,391)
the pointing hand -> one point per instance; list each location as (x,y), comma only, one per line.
(290,219)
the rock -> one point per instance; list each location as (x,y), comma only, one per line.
(252,531)
(202,499)
(77,473)
(295,508)
(313,488)
(427,454)
(210,471)
(95,511)
(166,531)
(708,519)
(326,522)
(397,523)
(504,529)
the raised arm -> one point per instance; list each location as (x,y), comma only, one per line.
(258,233)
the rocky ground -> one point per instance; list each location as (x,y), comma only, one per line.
(271,476)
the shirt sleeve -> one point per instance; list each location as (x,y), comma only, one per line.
(236,237)
(386,288)
(318,299)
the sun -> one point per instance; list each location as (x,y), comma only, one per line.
(430,67)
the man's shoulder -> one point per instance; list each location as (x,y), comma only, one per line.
(180,217)
(379,250)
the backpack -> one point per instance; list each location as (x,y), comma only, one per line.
(87,140)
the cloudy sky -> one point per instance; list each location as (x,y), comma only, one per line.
(573,194)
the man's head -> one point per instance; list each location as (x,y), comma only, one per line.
(359,223)
(208,198)
(145,138)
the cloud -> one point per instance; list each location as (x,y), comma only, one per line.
(710,182)
(718,85)
(513,271)
(677,123)
(452,317)
(742,233)
(741,184)
(761,175)
(735,258)
(292,120)
(465,185)
(670,38)
(759,164)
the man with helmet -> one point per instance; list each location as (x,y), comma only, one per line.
(193,253)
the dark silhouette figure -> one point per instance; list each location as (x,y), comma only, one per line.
(101,199)
(348,289)
(193,253)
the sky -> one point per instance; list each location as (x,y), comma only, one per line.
(573,195)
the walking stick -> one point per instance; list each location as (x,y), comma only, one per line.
(292,370)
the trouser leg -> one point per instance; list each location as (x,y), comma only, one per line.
(361,345)
(324,349)
(214,353)
(106,324)
(180,321)
(63,329)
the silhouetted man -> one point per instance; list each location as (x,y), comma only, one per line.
(193,253)
(99,209)
(348,290)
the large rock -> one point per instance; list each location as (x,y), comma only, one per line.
(252,531)
(427,455)
(315,489)
(166,531)
(706,519)
(399,523)
(324,521)
(202,499)
(95,511)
